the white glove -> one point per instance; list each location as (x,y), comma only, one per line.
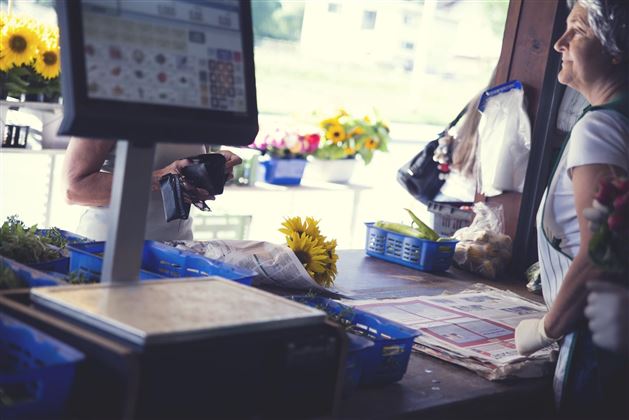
(608,313)
(530,336)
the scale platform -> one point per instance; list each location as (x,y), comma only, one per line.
(167,311)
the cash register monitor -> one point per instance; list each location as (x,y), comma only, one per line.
(159,70)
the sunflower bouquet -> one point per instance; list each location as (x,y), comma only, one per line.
(347,136)
(314,251)
(29,56)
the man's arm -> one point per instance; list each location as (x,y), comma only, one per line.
(85,184)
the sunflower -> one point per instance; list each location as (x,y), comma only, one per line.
(4,63)
(326,278)
(18,42)
(336,133)
(356,131)
(328,122)
(312,255)
(47,61)
(371,143)
(294,224)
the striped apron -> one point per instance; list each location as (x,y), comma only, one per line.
(554,262)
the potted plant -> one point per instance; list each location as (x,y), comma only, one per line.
(345,137)
(29,58)
(286,153)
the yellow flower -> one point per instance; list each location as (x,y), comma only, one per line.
(48,61)
(343,112)
(294,225)
(328,122)
(356,131)
(367,119)
(336,133)
(5,64)
(326,278)
(371,143)
(349,150)
(18,42)
(313,256)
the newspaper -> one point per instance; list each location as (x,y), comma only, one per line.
(474,329)
(276,265)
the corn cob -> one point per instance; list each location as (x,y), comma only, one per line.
(401,229)
(423,227)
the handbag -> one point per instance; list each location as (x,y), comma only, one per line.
(420,175)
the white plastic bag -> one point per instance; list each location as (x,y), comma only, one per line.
(504,140)
(483,248)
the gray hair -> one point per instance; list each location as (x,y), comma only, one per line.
(609,19)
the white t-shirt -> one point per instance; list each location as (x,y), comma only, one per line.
(600,137)
(94,222)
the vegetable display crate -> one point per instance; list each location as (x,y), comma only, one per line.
(158,261)
(420,254)
(60,265)
(384,362)
(36,372)
(33,277)
(447,219)
(284,171)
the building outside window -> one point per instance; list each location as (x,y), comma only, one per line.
(369,19)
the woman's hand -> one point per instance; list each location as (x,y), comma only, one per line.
(530,336)
(608,313)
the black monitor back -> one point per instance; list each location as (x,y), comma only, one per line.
(177,71)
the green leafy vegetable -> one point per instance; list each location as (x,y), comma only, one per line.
(10,280)
(22,244)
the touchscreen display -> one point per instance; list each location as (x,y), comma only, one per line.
(175,53)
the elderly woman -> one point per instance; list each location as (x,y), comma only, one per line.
(595,62)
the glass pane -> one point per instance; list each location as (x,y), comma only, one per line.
(414,61)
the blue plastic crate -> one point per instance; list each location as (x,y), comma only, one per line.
(60,265)
(354,361)
(158,261)
(284,171)
(384,362)
(36,372)
(32,276)
(420,254)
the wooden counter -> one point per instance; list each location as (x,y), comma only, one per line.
(432,388)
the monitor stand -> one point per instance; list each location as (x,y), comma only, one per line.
(128,206)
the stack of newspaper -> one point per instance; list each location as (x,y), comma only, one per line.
(474,329)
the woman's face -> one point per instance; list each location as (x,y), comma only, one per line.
(584,61)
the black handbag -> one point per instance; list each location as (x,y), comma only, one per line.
(420,175)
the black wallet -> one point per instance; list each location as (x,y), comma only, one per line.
(206,172)
(173,197)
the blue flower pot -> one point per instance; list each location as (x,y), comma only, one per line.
(284,171)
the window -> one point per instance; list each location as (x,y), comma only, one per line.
(410,19)
(369,19)
(334,7)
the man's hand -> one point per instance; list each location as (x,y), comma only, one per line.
(231,160)
(608,313)
(530,336)
(193,194)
